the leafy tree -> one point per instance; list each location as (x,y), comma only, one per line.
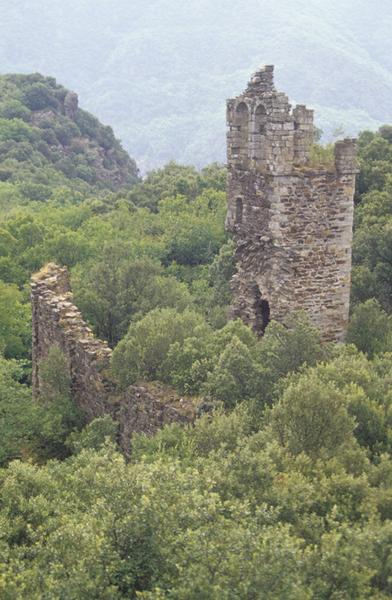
(56,415)
(175,180)
(142,352)
(287,347)
(312,417)
(365,385)
(370,328)
(15,328)
(16,411)
(236,375)
(189,363)
(94,436)
(118,290)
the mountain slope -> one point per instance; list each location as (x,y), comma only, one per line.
(43,131)
(160,71)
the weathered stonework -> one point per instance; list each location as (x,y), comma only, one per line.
(57,322)
(291,222)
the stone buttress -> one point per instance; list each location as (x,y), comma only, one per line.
(291,221)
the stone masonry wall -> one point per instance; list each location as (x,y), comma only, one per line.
(57,322)
(292,223)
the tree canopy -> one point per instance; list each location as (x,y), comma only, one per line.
(282,488)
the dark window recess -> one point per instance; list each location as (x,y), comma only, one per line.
(242,108)
(241,122)
(260,110)
(262,312)
(239,209)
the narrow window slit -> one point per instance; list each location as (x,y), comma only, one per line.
(239,209)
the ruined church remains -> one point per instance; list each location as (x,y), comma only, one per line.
(291,219)
(292,225)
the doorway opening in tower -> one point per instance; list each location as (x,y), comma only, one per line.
(261,311)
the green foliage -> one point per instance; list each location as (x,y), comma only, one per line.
(312,417)
(376,161)
(365,385)
(235,376)
(372,251)
(370,328)
(117,290)
(56,381)
(283,489)
(15,411)
(285,348)
(38,96)
(223,513)
(194,230)
(94,436)
(322,156)
(57,411)
(15,322)
(142,352)
(177,180)
(40,145)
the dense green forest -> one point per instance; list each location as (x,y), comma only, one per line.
(284,489)
(47,140)
(159,71)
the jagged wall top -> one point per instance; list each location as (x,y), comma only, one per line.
(267,136)
(264,133)
(262,81)
(291,218)
(58,322)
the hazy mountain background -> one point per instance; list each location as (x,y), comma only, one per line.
(159,71)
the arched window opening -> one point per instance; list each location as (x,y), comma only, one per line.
(259,132)
(241,118)
(239,208)
(261,110)
(262,311)
(241,109)
(261,119)
(241,128)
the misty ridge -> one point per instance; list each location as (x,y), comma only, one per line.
(159,71)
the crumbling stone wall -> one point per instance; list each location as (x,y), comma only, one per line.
(58,322)
(292,222)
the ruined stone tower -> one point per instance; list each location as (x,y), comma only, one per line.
(291,220)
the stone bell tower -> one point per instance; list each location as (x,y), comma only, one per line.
(291,219)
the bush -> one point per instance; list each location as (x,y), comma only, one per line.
(236,376)
(141,354)
(370,328)
(56,415)
(39,96)
(94,436)
(312,417)
(14,109)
